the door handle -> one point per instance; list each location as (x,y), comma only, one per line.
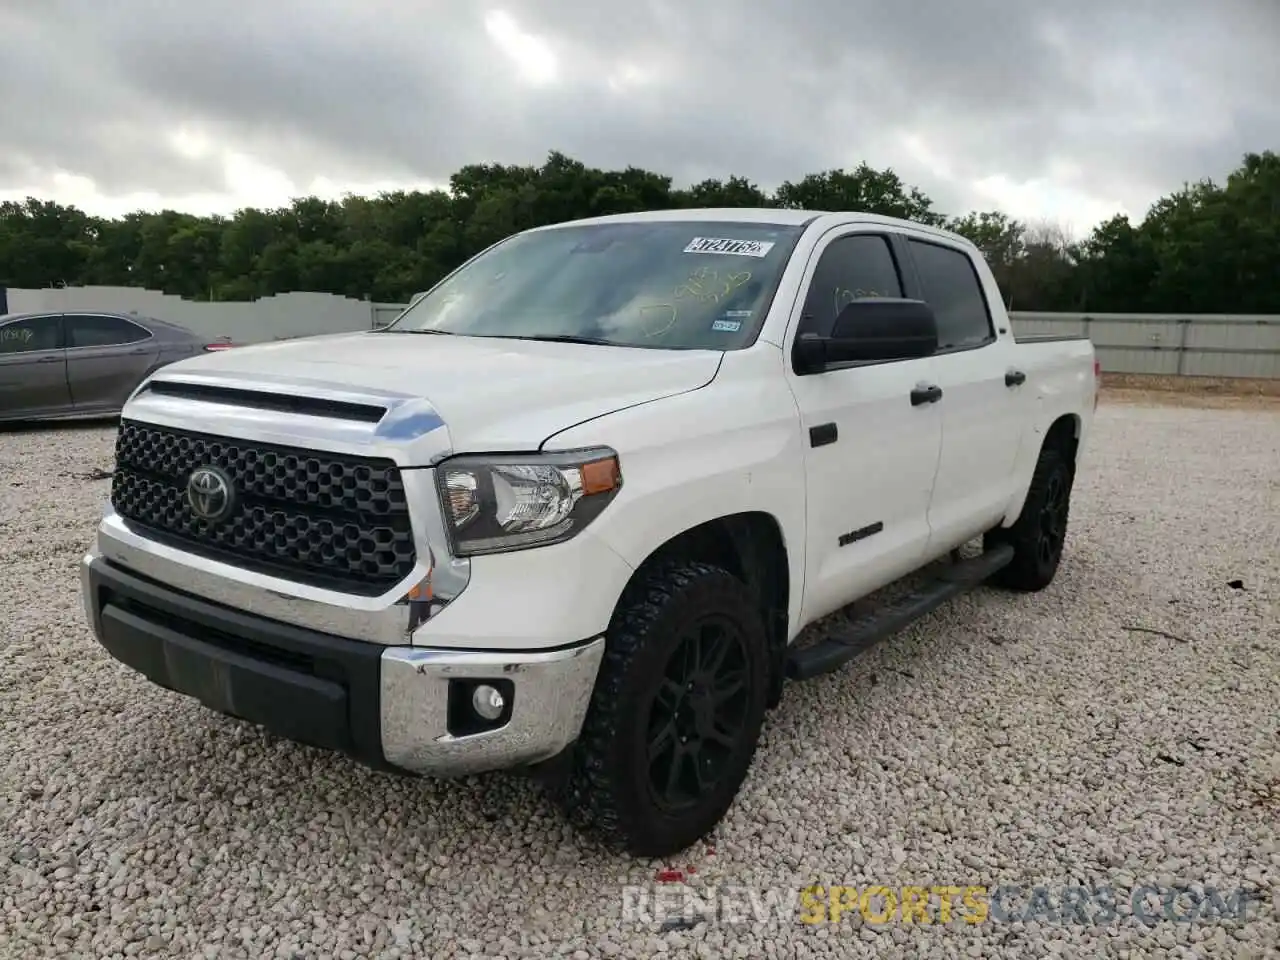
(926,393)
(50,360)
(1015,378)
(136,353)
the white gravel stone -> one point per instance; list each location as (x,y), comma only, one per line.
(1018,740)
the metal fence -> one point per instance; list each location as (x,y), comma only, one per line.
(1194,345)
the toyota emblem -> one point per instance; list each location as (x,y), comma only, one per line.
(209,493)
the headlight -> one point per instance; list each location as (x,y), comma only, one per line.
(498,504)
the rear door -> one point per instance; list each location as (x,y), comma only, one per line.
(107,356)
(33,367)
(982,408)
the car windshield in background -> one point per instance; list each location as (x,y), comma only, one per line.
(661,284)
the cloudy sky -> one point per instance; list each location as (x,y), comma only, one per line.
(1068,111)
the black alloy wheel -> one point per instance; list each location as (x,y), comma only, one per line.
(698,714)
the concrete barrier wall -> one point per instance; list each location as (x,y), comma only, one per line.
(271,318)
(1167,344)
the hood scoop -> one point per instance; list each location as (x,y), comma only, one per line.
(267,400)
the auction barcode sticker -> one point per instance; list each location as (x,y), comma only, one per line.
(735,248)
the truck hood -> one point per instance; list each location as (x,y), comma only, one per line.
(492,394)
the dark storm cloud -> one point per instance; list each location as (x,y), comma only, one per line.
(1135,96)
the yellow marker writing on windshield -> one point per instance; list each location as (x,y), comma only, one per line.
(662,316)
(706,285)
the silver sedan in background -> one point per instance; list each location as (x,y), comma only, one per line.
(58,365)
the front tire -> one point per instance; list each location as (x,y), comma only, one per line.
(676,712)
(1040,532)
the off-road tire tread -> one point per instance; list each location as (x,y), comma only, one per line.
(1024,572)
(588,793)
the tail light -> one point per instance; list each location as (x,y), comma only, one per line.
(211,347)
(1097,381)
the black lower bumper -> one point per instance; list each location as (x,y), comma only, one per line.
(309,687)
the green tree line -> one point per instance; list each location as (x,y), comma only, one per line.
(1206,248)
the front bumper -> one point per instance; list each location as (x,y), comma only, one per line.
(390,707)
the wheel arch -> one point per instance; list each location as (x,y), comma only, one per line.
(750,546)
(1062,434)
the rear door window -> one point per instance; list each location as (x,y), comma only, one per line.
(89,330)
(951,287)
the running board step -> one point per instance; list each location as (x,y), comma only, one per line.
(866,631)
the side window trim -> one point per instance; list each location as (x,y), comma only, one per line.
(66,330)
(903,265)
(991,336)
(60,340)
(912,289)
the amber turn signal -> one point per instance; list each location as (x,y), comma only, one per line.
(600,476)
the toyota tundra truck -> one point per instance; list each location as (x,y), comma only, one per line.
(570,512)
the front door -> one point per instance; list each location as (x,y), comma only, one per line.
(872,454)
(33,367)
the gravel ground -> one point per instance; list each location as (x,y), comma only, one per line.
(1038,740)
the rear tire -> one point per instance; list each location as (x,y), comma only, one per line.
(676,712)
(1039,534)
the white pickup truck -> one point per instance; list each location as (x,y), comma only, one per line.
(570,511)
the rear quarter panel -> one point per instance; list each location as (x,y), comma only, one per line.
(1062,376)
(175,345)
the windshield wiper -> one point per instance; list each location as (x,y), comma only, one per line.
(555,338)
(442,333)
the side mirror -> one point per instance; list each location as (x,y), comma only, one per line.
(871,329)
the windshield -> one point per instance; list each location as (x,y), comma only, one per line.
(663,284)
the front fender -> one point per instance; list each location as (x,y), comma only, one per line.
(731,447)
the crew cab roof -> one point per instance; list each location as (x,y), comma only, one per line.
(779,216)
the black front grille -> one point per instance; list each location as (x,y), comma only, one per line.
(321,518)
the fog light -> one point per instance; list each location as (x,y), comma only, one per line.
(487,702)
